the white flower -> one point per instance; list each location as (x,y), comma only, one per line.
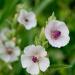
(27,19)
(57,33)
(34,59)
(3,34)
(9,52)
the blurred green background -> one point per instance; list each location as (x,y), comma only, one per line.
(61,59)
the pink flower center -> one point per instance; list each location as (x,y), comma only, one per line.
(55,34)
(34,59)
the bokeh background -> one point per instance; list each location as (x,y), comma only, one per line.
(63,59)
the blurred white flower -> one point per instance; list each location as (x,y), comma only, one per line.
(3,34)
(28,19)
(9,52)
(34,59)
(57,33)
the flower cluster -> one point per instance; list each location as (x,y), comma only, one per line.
(34,57)
(8,50)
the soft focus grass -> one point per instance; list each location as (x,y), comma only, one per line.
(64,10)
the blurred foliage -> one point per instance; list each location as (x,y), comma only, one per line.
(61,59)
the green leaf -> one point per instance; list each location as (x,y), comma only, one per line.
(52,17)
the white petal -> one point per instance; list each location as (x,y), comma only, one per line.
(32,19)
(57,25)
(30,25)
(26,61)
(3,33)
(2,49)
(5,57)
(16,51)
(44,64)
(13,58)
(62,27)
(2,37)
(62,41)
(35,50)
(22,14)
(31,15)
(41,51)
(20,19)
(9,44)
(33,69)
(30,50)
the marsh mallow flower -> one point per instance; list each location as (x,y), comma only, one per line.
(9,52)
(57,33)
(34,59)
(28,19)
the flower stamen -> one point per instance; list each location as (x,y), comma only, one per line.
(34,59)
(55,34)
(26,20)
(9,51)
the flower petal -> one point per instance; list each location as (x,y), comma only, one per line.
(5,57)
(44,64)
(62,41)
(10,44)
(30,50)
(41,51)
(33,69)
(26,61)
(2,49)
(30,25)
(13,58)
(16,51)
(22,14)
